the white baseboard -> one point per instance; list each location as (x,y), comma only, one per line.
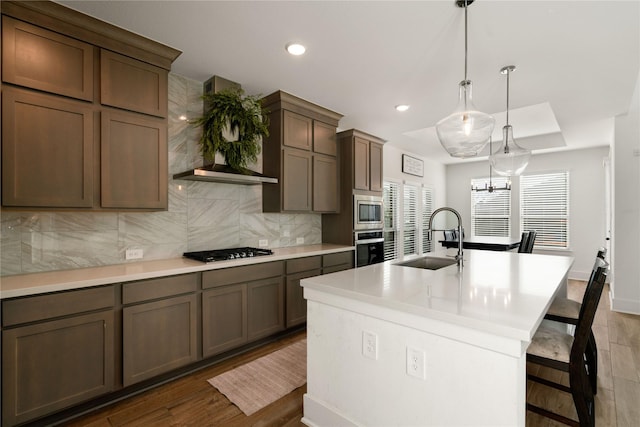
(624,305)
(318,414)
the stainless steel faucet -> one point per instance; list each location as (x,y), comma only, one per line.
(455,212)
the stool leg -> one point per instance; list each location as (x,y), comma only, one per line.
(592,362)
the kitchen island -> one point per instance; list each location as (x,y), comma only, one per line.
(404,346)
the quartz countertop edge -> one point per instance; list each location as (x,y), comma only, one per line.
(63,280)
(503,294)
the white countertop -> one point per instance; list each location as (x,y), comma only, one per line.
(502,293)
(53,281)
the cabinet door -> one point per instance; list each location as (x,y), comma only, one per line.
(265,305)
(158,337)
(375,166)
(296,182)
(134,171)
(296,312)
(133,85)
(360,164)
(324,138)
(224,319)
(44,60)
(325,184)
(297,131)
(50,366)
(47,150)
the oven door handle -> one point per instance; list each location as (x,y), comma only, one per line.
(378,240)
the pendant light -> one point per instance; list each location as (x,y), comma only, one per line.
(466,131)
(510,159)
(491,188)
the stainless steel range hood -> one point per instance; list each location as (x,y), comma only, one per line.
(224,173)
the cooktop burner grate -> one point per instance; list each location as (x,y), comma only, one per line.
(227,254)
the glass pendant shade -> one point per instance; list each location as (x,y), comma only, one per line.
(510,159)
(466,131)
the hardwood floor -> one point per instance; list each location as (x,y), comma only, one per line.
(191,401)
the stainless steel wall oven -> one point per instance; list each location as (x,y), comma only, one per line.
(369,247)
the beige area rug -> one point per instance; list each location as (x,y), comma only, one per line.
(257,384)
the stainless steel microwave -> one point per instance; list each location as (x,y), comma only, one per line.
(367,212)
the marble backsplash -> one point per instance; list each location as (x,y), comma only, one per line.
(200,216)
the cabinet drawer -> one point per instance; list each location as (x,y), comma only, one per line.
(159,288)
(44,60)
(133,85)
(331,260)
(246,273)
(48,306)
(303,264)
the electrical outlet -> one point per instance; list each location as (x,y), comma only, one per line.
(133,253)
(287,233)
(299,240)
(370,345)
(263,243)
(415,363)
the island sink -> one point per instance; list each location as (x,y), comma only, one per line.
(429,262)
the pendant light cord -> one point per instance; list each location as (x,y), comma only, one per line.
(465,40)
(508,74)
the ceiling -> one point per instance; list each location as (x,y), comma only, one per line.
(577,61)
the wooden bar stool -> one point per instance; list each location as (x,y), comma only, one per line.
(567,311)
(560,350)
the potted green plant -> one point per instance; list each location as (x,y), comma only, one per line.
(231,112)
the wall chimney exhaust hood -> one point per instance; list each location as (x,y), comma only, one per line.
(218,172)
(224,173)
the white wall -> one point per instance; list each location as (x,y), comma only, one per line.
(625,265)
(587,199)
(434,173)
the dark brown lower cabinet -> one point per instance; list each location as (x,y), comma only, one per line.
(296,304)
(298,269)
(265,307)
(158,337)
(53,365)
(224,319)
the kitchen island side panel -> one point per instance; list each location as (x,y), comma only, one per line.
(463,384)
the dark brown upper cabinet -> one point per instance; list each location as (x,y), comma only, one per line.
(133,85)
(362,161)
(301,152)
(40,59)
(47,150)
(134,163)
(97,139)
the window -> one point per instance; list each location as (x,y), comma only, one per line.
(544,207)
(390,200)
(427,210)
(410,208)
(490,212)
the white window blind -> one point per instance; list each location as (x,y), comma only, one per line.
(410,209)
(490,212)
(427,210)
(544,207)
(390,200)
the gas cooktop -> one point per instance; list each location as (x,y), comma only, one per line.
(227,254)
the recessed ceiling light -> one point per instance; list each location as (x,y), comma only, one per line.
(295,49)
(402,107)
